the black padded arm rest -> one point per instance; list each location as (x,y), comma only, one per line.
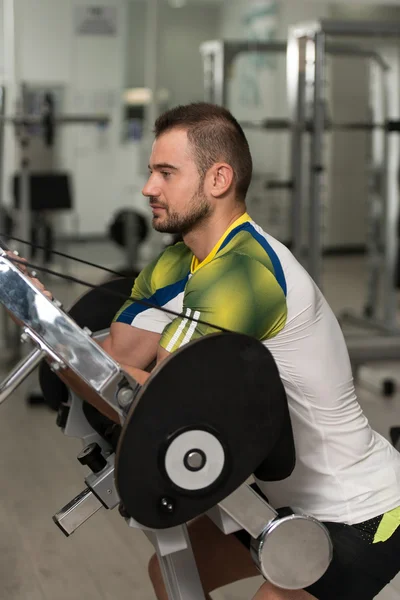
(106,428)
(282,459)
(94,310)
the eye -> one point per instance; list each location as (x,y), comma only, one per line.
(165,174)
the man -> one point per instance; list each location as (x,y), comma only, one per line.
(230,273)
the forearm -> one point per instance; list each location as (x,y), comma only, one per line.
(137,374)
(89,395)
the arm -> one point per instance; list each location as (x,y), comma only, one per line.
(136,330)
(133,348)
(140,375)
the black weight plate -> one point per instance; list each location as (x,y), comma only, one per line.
(227,384)
(117,228)
(95,309)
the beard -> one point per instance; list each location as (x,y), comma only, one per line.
(181,223)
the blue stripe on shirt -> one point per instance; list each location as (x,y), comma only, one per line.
(276,263)
(160,298)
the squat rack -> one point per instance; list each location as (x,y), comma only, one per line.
(306,53)
(218,57)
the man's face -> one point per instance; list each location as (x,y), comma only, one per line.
(174,187)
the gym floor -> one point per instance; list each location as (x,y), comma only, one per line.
(39,474)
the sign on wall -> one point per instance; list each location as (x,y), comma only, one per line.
(96,20)
(260,23)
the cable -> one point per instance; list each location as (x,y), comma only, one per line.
(116,294)
(80,260)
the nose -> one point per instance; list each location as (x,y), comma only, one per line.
(151,189)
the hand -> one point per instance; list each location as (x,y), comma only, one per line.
(37,283)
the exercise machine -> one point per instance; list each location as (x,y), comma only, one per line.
(307,45)
(128,228)
(36,192)
(164,472)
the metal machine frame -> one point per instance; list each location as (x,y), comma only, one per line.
(218,56)
(307,49)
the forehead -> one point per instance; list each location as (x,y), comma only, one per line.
(172,146)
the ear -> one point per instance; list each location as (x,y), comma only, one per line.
(219,179)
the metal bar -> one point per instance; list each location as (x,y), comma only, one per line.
(24,228)
(28,120)
(390,193)
(2,116)
(219,79)
(375,195)
(103,485)
(131,234)
(20,372)
(358,28)
(239,46)
(270,124)
(77,512)
(296,75)
(208,76)
(391,125)
(248,509)
(388,125)
(235,47)
(179,570)
(350,50)
(315,245)
(367,349)
(151,60)
(371,323)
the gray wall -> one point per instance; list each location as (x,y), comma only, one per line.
(136,44)
(181,33)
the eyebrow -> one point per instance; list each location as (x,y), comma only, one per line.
(159,166)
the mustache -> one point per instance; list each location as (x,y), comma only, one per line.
(154,202)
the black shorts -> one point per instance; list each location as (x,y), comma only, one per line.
(359,569)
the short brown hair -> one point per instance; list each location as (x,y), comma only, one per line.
(214,135)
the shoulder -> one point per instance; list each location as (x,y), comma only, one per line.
(233,270)
(254,243)
(174,256)
(240,294)
(172,265)
(177,252)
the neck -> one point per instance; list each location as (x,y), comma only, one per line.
(202,238)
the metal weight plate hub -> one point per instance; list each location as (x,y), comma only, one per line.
(194,460)
(206,418)
(293,552)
